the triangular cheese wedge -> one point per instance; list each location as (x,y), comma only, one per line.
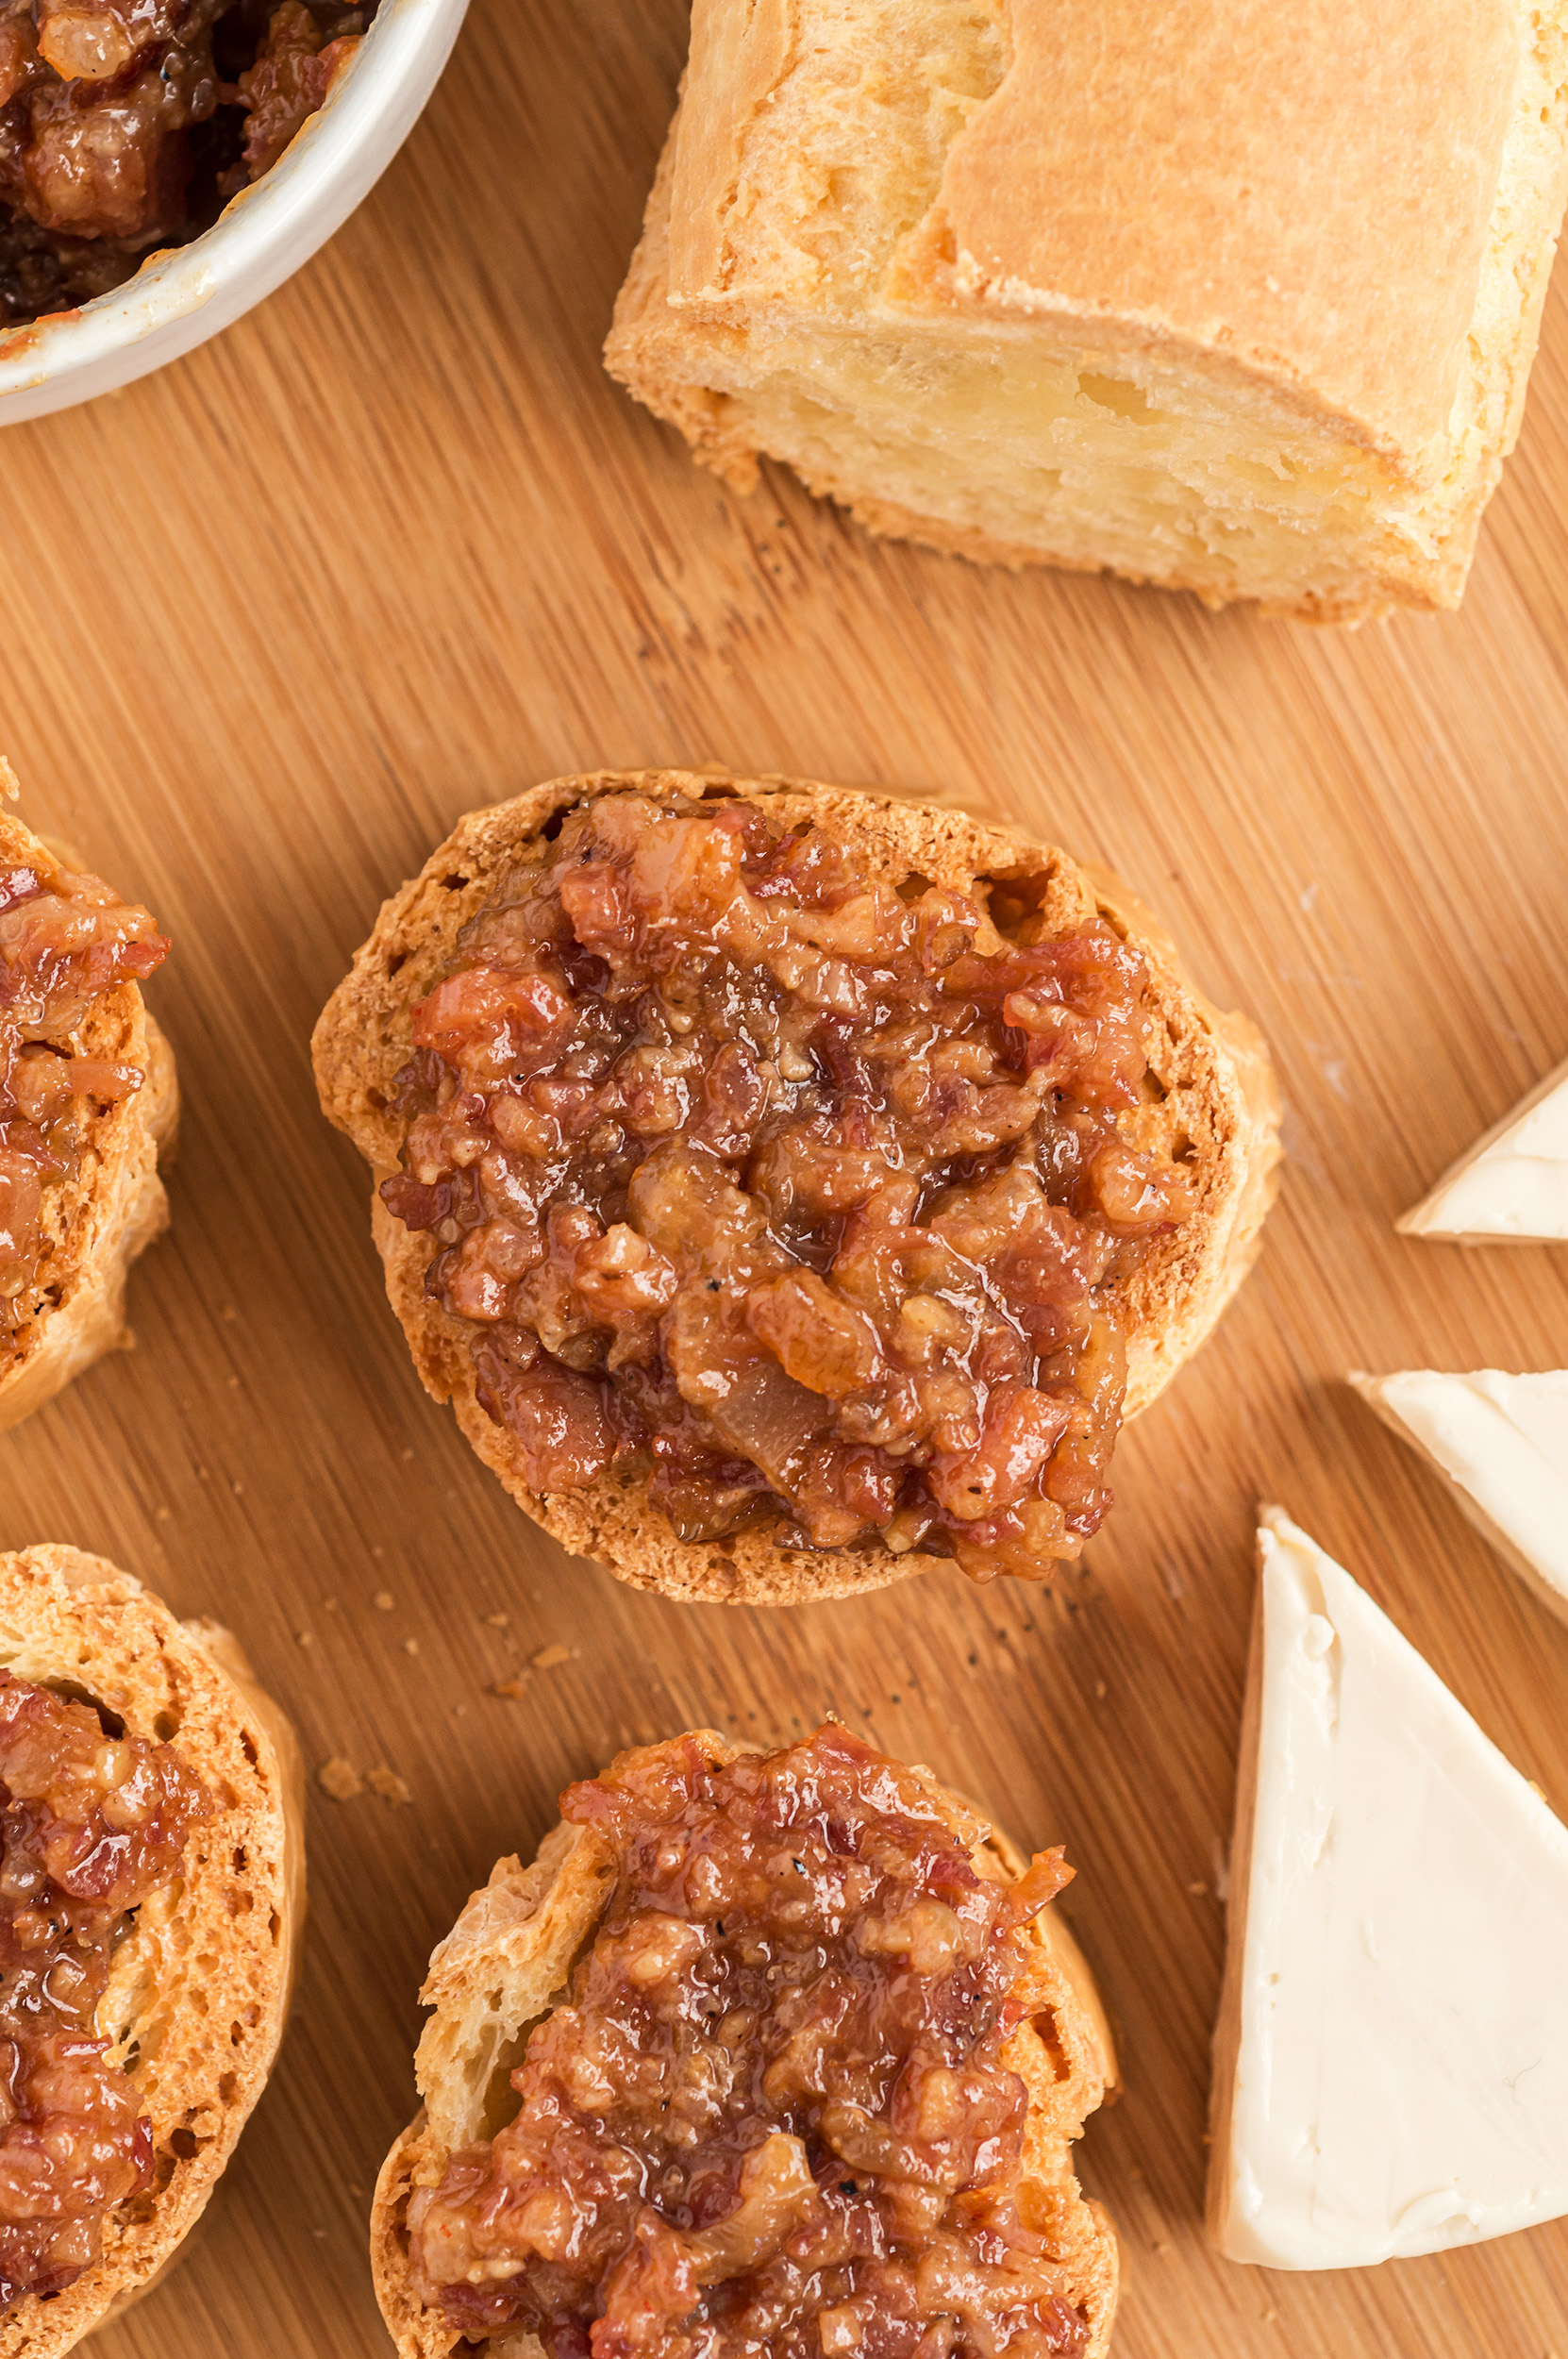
(1502,1441)
(1513,1183)
(1391,2053)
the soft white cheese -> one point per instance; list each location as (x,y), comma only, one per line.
(1513,1183)
(1503,1443)
(1395,2037)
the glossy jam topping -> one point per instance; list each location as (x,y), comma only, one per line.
(91,1824)
(64,937)
(801,1196)
(125,125)
(773,2116)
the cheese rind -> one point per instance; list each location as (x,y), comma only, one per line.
(1391,2055)
(1502,1443)
(1512,1185)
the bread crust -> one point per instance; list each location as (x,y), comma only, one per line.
(1313,279)
(1215,1068)
(506,1963)
(99,1221)
(199,1987)
(1260,232)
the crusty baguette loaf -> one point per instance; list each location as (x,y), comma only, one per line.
(1244,302)
(200,1984)
(1214,1069)
(97,1221)
(506,1963)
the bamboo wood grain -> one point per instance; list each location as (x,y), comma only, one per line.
(394,547)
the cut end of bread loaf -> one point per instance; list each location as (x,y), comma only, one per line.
(507,1963)
(200,1982)
(1029,286)
(1216,1086)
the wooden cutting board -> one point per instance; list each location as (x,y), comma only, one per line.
(395,546)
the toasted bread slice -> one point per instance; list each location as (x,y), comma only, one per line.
(200,1983)
(1218,1095)
(507,1963)
(97,1221)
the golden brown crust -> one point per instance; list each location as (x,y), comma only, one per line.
(97,1223)
(200,1985)
(1256,241)
(1314,275)
(506,1963)
(1220,1095)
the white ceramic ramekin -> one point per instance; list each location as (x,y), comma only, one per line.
(186,294)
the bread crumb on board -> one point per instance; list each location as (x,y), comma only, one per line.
(342,1781)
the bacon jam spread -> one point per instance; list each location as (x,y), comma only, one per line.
(127,125)
(805,1198)
(91,1824)
(773,2120)
(64,938)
